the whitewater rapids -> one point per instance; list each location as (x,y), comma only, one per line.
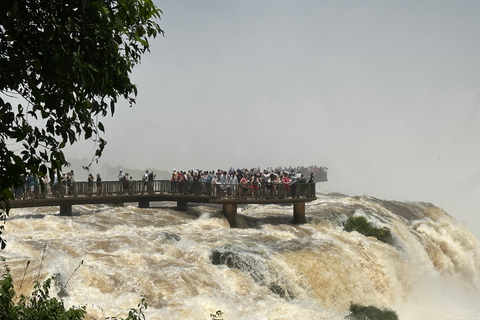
(309,271)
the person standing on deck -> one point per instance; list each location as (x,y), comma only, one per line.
(216,186)
(151,177)
(99,184)
(286,183)
(121,178)
(145,181)
(90,184)
(234,183)
(224,182)
(244,183)
(126,183)
(255,184)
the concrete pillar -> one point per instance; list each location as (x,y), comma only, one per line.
(182,205)
(230,212)
(65,209)
(144,204)
(299,212)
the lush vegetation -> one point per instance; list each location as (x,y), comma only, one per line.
(361,225)
(359,312)
(40,306)
(63,66)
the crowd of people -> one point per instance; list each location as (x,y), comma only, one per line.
(217,183)
(58,186)
(243,182)
(126,181)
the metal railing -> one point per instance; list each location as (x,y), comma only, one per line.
(196,188)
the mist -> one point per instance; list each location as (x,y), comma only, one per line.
(385,94)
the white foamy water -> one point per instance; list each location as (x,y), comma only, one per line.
(310,271)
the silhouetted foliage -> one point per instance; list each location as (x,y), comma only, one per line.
(38,306)
(67,62)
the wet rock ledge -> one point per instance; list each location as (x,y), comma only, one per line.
(253,263)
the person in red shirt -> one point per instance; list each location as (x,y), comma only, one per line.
(286,183)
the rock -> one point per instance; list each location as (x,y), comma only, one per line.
(169,236)
(58,280)
(253,263)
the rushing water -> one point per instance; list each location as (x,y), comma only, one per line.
(283,271)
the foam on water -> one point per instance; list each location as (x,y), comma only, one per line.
(310,271)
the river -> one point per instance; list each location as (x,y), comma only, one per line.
(107,257)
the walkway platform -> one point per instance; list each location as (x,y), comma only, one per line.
(230,196)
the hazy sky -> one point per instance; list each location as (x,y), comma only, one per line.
(386,94)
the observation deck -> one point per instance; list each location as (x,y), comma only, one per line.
(144,192)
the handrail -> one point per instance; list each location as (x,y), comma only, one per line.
(197,188)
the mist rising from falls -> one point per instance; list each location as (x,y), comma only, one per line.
(271,268)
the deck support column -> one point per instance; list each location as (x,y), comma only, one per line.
(299,212)
(182,205)
(230,212)
(144,204)
(66,210)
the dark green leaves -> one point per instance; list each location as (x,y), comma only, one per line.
(69,61)
(39,305)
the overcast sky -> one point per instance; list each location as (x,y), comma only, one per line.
(386,94)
